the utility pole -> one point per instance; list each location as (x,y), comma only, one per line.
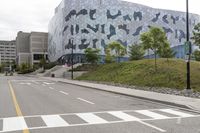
(189,47)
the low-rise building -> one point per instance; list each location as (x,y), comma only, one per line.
(31,47)
(7,51)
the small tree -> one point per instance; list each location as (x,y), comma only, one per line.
(165,51)
(42,62)
(108,57)
(154,39)
(197,55)
(92,55)
(136,52)
(118,49)
(196,34)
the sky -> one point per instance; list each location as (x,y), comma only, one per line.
(34,15)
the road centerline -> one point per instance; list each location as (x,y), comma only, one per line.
(81,99)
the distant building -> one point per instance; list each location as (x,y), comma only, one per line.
(7,52)
(95,23)
(31,47)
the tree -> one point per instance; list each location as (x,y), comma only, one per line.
(196,34)
(92,55)
(108,57)
(155,39)
(136,52)
(197,55)
(118,49)
(43,63)
(165,51)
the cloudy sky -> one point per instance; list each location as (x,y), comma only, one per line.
(34,15)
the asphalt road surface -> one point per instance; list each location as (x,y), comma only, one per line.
(33,105)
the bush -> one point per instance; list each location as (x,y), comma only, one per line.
(49,65)
(197,55)
(92,55)
(25,68)
(136,52)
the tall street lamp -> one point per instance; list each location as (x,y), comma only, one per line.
(188,45)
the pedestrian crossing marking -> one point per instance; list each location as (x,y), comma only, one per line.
(174,112)
(124,116)
(152,114)
(54,121)
(14,123)
(90,118)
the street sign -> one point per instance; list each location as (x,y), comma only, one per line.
(188,48)
(187,58)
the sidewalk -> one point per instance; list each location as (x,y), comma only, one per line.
(164,98)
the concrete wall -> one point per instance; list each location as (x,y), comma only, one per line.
(38,45)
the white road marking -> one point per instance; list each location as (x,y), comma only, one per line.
(47,83)
(85,100)
(152,114)
(35,82)
(178,121)
(127,117)
(25,83)
(91,118)
(124,116)
(152,126)
(14,124)
(174,112)
(51,88)
(54,121)
(64,92)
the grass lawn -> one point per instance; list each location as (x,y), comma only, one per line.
(171,74)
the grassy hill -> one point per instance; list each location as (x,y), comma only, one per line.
(170,74)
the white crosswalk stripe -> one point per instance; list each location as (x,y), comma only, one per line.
(91,118)
(54,121)
(178,113)
(123,116)
(14,123)
(152,114)
(57,120)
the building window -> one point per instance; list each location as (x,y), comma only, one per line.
(38,56)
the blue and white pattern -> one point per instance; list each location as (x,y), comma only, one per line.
(96,23)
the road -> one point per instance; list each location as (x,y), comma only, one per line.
(34,105)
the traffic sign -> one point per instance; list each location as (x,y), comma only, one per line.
(188,48)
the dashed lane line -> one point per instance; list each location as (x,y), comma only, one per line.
(51,88)
(65,93)
(81,99)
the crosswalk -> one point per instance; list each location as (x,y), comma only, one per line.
(89,118)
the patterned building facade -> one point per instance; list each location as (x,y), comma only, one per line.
(95,23)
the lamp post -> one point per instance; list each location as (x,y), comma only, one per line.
(72,58)
(189,47)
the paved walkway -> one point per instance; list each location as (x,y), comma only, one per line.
(165,98)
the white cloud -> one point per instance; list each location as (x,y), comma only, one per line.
(24,15)
(34,15)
